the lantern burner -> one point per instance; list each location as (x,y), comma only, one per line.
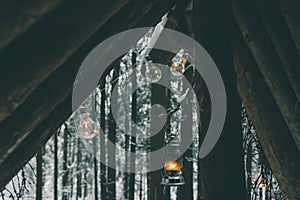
(172,178)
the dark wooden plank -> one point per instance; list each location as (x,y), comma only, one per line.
(35,141)
(279,34)
(273,133)
(262,48)
(18,16)
(36,54)
(290,11)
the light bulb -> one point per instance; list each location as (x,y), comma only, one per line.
(178,63)
(178,68)
(153,73)
(87,128)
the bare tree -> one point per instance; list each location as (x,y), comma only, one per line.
(39,175)
(65,177)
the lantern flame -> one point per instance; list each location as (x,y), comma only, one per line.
(173,165)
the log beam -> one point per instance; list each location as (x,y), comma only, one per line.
(261,47)
(36,54)
(272,131)
(18,16)
(283,42)
(290,10)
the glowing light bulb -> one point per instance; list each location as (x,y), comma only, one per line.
(178,68)
(173,165)
(153,73)
(178,63)
(87,127)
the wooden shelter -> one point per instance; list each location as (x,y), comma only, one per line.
(255,44)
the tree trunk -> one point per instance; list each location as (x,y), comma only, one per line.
(56,166)
(85,185)
(65,177)
(79,171)
(95,170)
(71,160)
(186,191)
(157,142)
(108,188)
(249,170)
(39,175)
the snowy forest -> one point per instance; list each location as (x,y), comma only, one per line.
(64,169)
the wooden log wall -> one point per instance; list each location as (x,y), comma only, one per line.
(266,60)
(274,136)
(264,52)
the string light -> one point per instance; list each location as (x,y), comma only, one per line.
(178,63)
(153,73)
(87,128)
(178,68)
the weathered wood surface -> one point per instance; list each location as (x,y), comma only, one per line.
(273,133)
(279,34)
(34,114)
(290,11)
(31,58)
(262,48)
(18,16)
